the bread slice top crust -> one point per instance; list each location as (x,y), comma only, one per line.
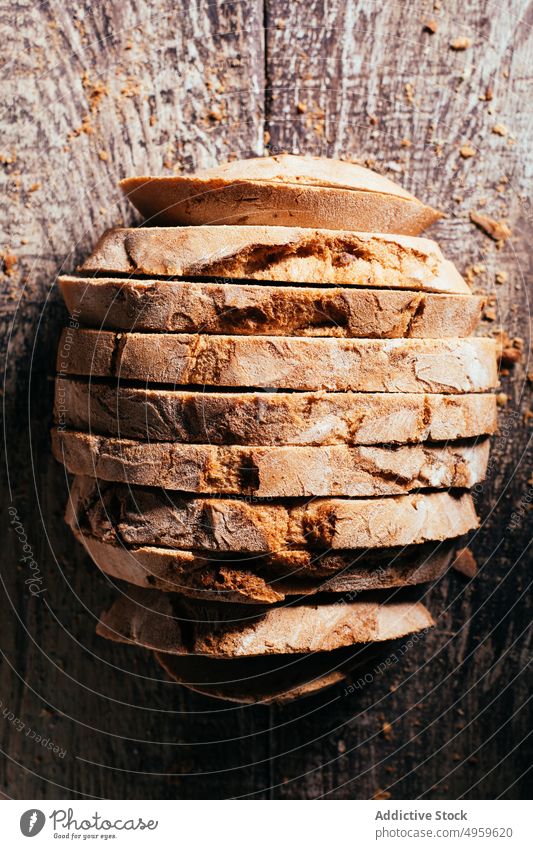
(290,254)
(285,169)
(365,365)
(273,472)
(182,306)
(140,516)
(171,624)
(270,418)
(275,679)
(286,189)
(264,580)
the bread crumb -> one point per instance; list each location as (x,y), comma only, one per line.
(465,563)
(34,187)
(500,130)
(501,399)
(214,115)
(102,155)
(467,151)
(9,262)
(489,94)
(405,143)
(95,91)
(386,730)
(341,747)
(501,277)
(409,92)
(153,120)
(461,43)
(510,356)
(301,107)
(431,27)
(497,230)
(381,794)
(489,314)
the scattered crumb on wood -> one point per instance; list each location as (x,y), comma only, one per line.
(431,27)
(381,794)
(501,399)
(500,130)
(510,356)
(501,277)
(461,43)
(467,151)
(497,230)
(465,563)
(386,730)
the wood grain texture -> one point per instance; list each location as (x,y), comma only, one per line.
(100,91)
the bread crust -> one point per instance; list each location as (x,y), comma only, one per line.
(365,365)
(286,190)
(270,418)
(138,516)
(181,306)
(266,472)
(171,624)
(291,254)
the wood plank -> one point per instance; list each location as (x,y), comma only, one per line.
(95,92)
(366,81)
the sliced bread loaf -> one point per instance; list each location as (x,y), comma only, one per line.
(291,254)
(273,471)
(139,517)
(181,306)
(286,189)
(270,418)
(364,365)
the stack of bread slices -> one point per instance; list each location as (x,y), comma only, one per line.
(274,409)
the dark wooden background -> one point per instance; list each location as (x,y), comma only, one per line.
(94,91)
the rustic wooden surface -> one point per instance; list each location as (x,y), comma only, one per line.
(95,91)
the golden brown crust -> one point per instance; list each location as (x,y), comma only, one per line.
(269,418)
(365,365)
(251,309)
(278,472)
(282,190)
(139,517)
(291,254)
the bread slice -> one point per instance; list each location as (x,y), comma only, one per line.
(171,624)
(291,254)
(181,306)
(364,365)
(275,679)
(278,471)
(270,418)
(261,580)
(139,517)
(306,190)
